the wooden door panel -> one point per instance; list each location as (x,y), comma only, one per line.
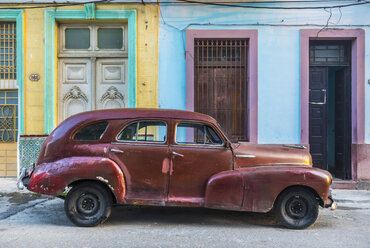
(75,87)
(220,83)
(111,83)
(342,124)
(318,116)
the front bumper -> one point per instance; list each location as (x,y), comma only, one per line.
(330,202)
(24,177)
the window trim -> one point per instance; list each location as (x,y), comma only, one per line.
(116,140)
(198,145)
(93,48)
(17,16)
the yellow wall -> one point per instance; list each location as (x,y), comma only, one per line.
(34,63)
(147,61)
(8,159)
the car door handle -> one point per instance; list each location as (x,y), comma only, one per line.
(245,156)
(116,150)
(177,154)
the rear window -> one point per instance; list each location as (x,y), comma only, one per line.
(91,132)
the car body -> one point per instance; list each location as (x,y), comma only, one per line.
(172,158)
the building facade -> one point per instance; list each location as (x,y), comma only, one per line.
(285,72)
(58,59)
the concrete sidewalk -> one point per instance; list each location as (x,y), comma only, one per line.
(354,199)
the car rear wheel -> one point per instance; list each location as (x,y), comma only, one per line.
(88,204)
(297,208)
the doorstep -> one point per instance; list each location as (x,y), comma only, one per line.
(343,184)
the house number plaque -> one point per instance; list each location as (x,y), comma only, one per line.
(34,77)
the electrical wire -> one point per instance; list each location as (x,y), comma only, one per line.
(56,5)
(271,7)
(236,4)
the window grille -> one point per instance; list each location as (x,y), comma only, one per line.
(8,116)
(8,55)
(220,83)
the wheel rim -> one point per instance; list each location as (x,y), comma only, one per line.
(88,204)
(296,207)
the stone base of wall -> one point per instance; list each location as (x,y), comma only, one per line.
(8,159)
(361,163)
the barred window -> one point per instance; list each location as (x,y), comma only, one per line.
(8,115)
(8,55)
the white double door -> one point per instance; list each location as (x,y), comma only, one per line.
(91,83)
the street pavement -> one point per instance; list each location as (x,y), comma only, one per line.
(31,220)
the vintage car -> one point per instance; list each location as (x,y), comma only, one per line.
(172,158)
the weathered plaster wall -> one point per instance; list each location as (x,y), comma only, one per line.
(33,63)
(278,58)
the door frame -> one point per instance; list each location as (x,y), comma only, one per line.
(357,36)
(252,98)
(51,79)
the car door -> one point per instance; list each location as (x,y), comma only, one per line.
(198,152)
(141,149)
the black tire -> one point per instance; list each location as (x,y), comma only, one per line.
(88,204)
(297,208)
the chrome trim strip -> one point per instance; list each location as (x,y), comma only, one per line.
(295,146)
(177,154)
(137,144)
(245,156)
(198,146)
(116,150)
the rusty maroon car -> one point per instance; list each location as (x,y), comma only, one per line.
(172,158)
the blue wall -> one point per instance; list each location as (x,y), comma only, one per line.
(278,57)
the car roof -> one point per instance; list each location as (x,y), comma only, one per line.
(130,113)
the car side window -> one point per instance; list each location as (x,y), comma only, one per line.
(91,132)
(144,131)
(196,133)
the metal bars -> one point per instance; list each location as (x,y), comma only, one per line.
(8,116)
(8,55)
(329,53)
(220,83)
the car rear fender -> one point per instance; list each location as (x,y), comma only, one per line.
(53,177)
(225,191)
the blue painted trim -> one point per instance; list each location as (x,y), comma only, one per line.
(50,17)
(17,15)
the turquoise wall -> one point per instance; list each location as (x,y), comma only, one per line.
(278,57)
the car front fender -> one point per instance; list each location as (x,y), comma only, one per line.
(53,177)
(256,188)
(263,184)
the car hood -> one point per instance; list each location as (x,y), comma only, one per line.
(248,154)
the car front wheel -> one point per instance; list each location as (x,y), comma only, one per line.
(297,208)
(88,204)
